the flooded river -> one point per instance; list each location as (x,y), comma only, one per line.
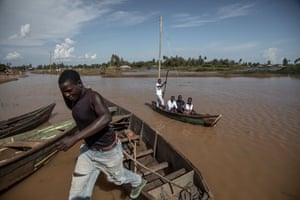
(252,153)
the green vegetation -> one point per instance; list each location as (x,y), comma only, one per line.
(177,63)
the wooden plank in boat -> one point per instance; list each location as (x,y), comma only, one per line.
(154,183)
(156,168)
(119,118)
(142,154)
(18,144)
(165,190)
(112,108)
(135,137)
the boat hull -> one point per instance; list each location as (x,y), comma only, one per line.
(150,155)
(197,119)
(26,121)
(25,153)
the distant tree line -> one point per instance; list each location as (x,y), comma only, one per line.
(177,62)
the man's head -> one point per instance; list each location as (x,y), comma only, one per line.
(69,75)
(172,98)
(70,85)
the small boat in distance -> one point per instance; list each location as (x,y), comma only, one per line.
(197,119)
(26,121)
(23,154)
(169,174)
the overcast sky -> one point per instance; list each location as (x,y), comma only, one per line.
(90,31)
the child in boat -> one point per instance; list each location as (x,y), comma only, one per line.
(171,105)
(101,150)
(189,107)
(180,104)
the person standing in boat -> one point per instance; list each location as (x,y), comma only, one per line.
(189,107)
(159,93)
(101,150)
(171,105)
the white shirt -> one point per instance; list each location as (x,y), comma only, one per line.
(172,104)
(158,89)
(188,108)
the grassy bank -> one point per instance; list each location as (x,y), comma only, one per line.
(217,71)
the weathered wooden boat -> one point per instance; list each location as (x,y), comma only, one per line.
(23,154)
(26,121)
(169,174)
(198,119)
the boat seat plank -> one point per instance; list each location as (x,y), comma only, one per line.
(112,109)
(37,140)
(124,140)
(118,118)
(19,144)
(184,180)
(142,154)
(155,168)
(154,183)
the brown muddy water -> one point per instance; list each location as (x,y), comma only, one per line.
(252,153)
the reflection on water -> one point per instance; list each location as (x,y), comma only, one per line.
(252,153)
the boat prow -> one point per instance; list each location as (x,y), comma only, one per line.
(25,122)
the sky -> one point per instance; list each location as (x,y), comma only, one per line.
(89,31)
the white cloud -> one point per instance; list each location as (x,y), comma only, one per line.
(88,57)
(184,20)
(52,20)
(271,54)
(240,47)
(12,56)
(125,18)
(234,10)
(64,50)
(187,20)
(93,57)
(25,30)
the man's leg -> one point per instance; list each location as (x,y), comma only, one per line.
(84,176)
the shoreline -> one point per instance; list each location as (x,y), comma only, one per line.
(184,74)
(172,74)
(8,78)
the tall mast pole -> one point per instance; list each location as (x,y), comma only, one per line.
(160,41)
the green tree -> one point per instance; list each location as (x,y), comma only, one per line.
(297,60)
(3,67)
(115,60)
(285,61)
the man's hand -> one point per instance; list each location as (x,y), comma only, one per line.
(66,143)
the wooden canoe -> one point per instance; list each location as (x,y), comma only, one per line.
(26,121)
(23,154)
(169,174)
(197,119)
